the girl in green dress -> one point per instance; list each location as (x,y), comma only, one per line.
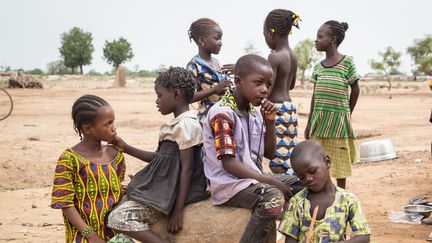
(332,103)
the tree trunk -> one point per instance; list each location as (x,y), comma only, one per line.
(302,81)
(73,70)
(81,70)
(389,81)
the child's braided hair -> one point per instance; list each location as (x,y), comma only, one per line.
(178,78)
(338,30)
(84,111)
(200,28)
(281,21)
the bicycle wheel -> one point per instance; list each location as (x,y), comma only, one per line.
(6,104)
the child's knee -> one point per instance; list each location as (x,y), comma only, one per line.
(273,206)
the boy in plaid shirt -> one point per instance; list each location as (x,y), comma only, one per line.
(337,207)
(235,141)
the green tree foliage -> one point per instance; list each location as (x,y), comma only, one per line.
(76,48)
(389,63)
(58,68)
(421,53)
(117,52)
(306,56)
(35,71)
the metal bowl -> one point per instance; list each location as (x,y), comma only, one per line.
(418,209)
(377,150)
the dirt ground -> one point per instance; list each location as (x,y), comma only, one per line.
(40,128)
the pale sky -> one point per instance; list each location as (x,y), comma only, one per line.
(157,30)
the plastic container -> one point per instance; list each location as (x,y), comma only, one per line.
(423,210)
(377,150)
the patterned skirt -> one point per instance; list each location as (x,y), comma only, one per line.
(286,136)
(342,154)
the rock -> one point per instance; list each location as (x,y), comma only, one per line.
(203,222)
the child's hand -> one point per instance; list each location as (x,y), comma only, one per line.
(119,143)
(228,69)
(222,87)
(268,110)
(282,187)
(175,221)
(94,238)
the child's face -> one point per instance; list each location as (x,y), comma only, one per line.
(324,39)
(213,41)
(166,99)
(103,128)
(312,172)
(255,86)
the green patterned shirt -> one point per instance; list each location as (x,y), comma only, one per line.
(345,209)
(331,112)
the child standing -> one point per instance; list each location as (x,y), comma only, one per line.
(174,177)
(235,141)
(336,207)
(331,107)
(277,27)
(212,79)
(87,176)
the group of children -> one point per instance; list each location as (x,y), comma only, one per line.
(240,121)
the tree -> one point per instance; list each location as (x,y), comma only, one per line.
(76,48)
(306,56)
(389,64)
(250,48)
(36,71)
(57,68)
(117,52)
(421,53)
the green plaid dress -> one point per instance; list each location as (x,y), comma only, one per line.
(345,210)
(331,116)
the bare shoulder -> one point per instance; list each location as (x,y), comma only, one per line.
(275,58)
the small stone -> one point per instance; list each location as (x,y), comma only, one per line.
(418,160)
(34,206)
(46,224)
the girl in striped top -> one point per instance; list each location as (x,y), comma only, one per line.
(332,103)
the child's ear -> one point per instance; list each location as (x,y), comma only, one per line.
(333,40)
(86,129)
(201,41)
(272,33)
(177,94)
(327,161)
(237,80)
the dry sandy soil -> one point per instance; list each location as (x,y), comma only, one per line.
(40,128)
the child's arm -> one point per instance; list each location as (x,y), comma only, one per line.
(355,92)
(74,217)
(308,125)
(242,171)
(143,155)
(175,220)
(268,111)
(219,89)
(274,62)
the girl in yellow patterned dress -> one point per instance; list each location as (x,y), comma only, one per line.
(87,176)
